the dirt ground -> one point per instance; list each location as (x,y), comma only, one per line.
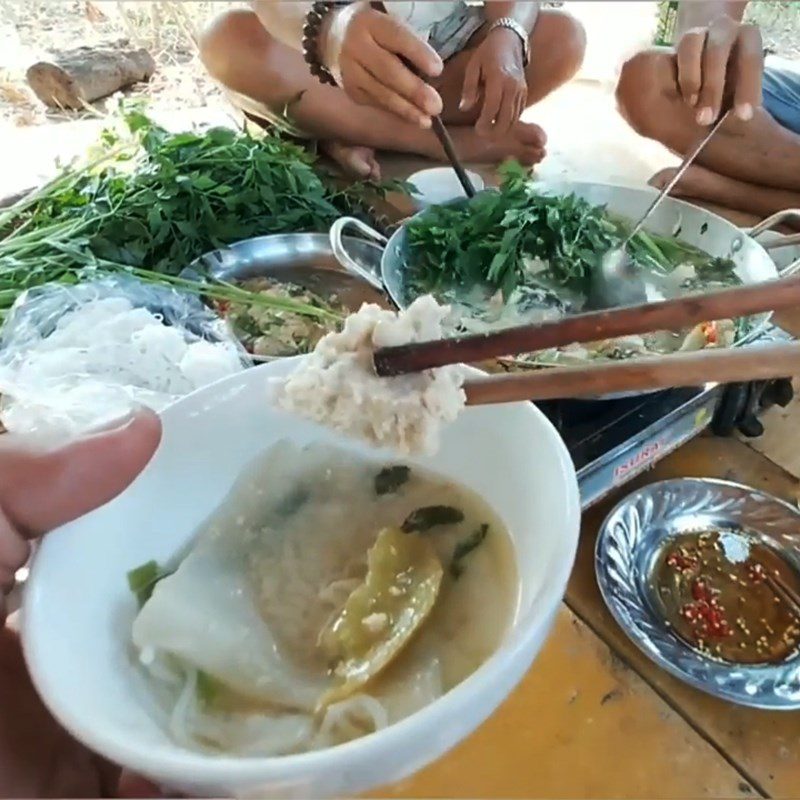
(31,30)
(34,30)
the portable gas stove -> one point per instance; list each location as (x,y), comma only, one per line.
(613,441)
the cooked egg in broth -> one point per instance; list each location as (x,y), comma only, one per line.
(327,597)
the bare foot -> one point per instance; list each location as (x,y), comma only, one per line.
(697,182)
(700,183)
(356,161)
(525,142)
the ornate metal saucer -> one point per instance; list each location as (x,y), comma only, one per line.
(633,539)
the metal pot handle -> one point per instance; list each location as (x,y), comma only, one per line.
(345,259)
(772,222)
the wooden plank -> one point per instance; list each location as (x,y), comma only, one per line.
(764,745)
(780,442)
(581,724)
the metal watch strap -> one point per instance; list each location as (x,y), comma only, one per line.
(511,24)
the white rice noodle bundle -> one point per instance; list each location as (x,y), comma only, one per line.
(98,361)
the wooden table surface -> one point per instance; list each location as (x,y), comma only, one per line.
(594,717)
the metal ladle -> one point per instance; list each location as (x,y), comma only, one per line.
(619,281)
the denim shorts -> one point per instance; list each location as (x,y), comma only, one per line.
(782,91)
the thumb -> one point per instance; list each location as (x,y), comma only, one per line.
(134,786)
(41,490)
(469,92)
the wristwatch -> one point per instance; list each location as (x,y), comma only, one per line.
(512,25)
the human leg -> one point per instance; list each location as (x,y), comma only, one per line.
(749,166)
(240,54)
(760,152)
(699,183)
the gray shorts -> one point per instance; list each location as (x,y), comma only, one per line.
(451,35)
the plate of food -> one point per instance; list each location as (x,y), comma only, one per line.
(298,271)
(297,613)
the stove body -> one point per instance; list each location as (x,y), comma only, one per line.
(613,441)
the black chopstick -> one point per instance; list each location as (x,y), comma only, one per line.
(447,145)
(439,129)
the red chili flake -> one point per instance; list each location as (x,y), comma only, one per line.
(705,612)
(681,562)
(709,330)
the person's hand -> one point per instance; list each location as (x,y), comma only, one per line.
(370,49)
(723,60)
(496,72)
(39,491)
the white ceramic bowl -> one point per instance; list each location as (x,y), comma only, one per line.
(439,185)
(77,610)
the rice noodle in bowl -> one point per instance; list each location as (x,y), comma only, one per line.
(236,640)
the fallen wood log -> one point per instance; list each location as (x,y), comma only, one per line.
(80,76)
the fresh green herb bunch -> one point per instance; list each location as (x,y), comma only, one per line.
(488,239)
(154,201)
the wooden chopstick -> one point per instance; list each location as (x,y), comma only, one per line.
(759,362)
(663,316)
(452,156)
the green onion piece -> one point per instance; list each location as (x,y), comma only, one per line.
(142,580)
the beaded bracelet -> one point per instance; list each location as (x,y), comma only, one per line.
(311,31)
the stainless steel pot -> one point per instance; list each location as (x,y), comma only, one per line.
(305,259)
(696,226)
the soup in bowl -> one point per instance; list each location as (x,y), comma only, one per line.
(272,609)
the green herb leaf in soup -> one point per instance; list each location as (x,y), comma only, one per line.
(423,519)
(464,548)
(142,580)
(207,688)
(390,479)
